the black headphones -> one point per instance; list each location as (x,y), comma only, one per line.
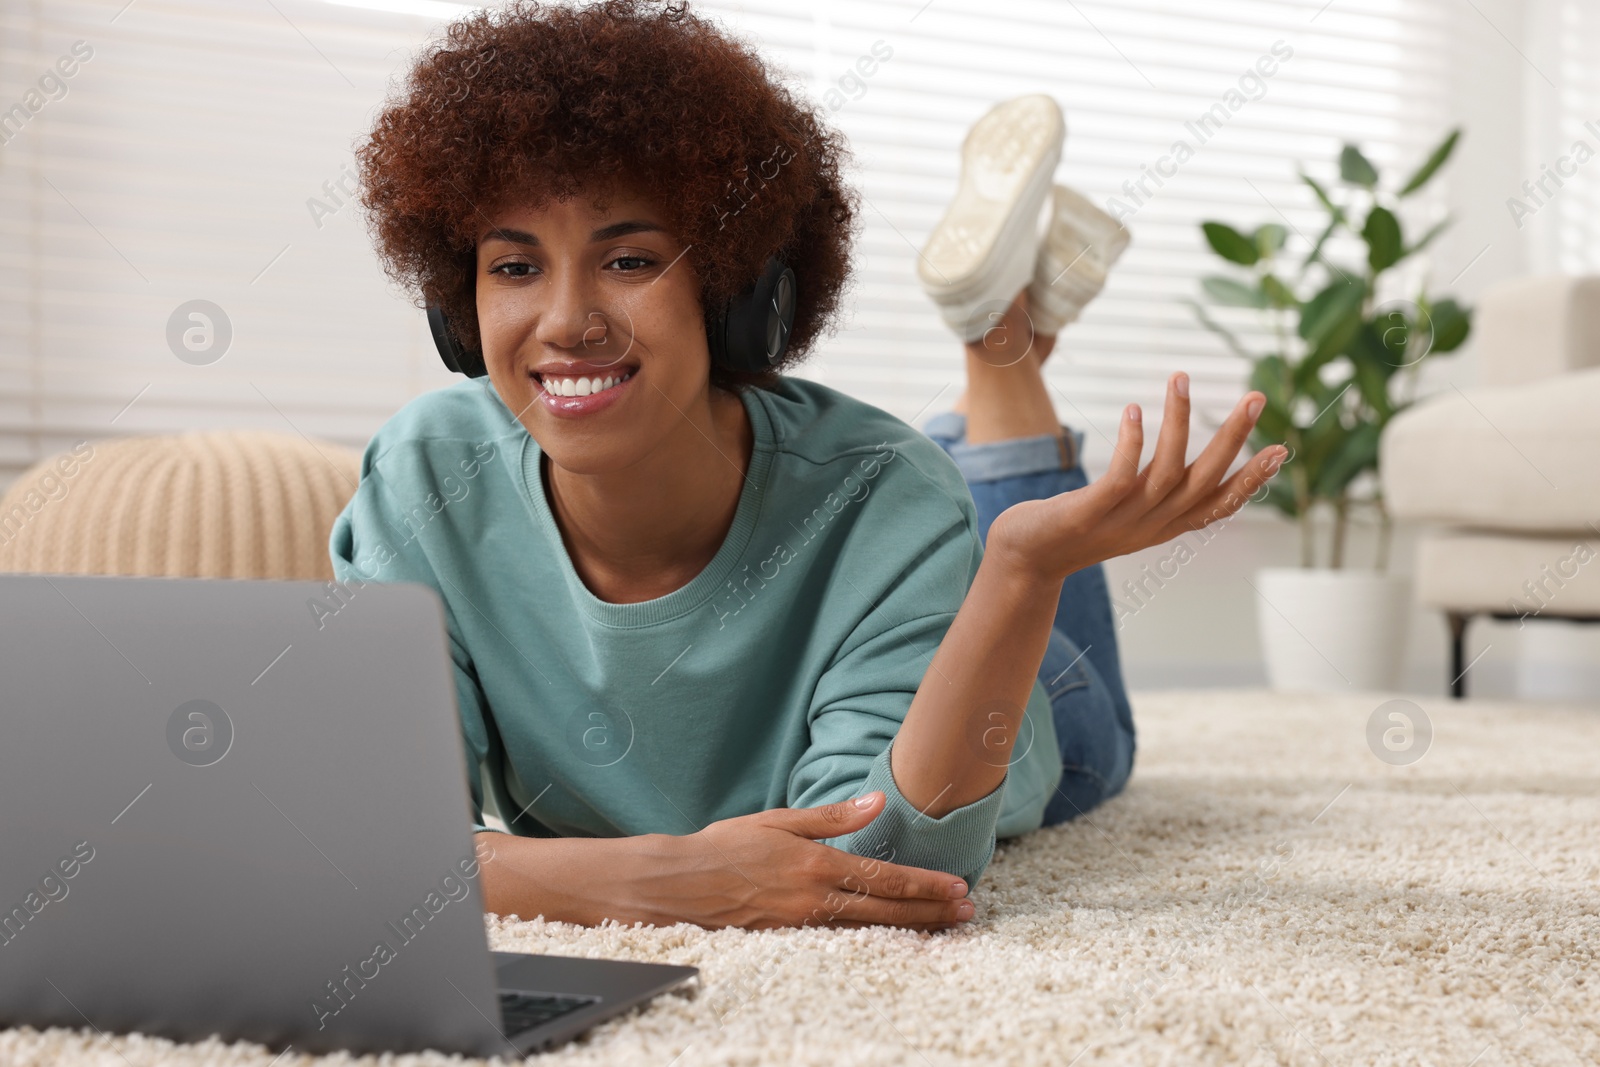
(750,334)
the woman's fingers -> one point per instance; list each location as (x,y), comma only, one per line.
(861,876)
(1231,495)
(1122,474)
(1166,470)
(1126,508)
(1207,470)
(1219,453)
(878,893)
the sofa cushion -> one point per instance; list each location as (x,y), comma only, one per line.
(1524,457)
(1546,577)
(1532,328)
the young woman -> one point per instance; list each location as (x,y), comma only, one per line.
(730,647)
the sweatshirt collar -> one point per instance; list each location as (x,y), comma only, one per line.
(710,579)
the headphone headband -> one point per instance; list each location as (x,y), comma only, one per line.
(751,333)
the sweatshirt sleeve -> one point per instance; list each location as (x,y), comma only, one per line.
(863,696)
(364,548)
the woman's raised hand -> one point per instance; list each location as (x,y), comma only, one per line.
(1127,509)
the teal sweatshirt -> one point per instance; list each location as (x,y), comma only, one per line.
(777,677)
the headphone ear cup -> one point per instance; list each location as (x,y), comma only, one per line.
(752,333)
(457,357)
(780,315)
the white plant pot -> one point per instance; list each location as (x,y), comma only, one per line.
(1332,630)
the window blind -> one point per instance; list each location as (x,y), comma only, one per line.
(202,152)
(1134,79)
(1577,154)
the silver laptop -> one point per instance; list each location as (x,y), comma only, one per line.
(239,808)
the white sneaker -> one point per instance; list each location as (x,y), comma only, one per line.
(1082,244)
(985,248)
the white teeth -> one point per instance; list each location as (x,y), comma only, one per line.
(564,386)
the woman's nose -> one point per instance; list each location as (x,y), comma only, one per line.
(569,315)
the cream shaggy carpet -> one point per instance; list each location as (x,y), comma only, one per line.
(1267,891)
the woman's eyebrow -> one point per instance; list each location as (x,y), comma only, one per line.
(605,233)
(622,229)
(520,237)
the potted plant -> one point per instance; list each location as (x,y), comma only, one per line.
(1343,360)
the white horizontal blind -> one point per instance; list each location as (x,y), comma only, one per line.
(1578,79)
(1131,77)
(179,165)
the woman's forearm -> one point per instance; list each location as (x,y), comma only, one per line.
(956,741)
(563,879)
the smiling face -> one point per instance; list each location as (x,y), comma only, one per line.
(592,328)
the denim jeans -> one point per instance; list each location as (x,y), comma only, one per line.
(1081,672)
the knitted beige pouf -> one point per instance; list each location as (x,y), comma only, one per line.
(249,504)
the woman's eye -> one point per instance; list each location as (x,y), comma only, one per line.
(523,270)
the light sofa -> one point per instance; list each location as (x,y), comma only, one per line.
(1506,473)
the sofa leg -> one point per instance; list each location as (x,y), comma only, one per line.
(1458,652)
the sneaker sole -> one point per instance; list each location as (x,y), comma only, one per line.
(1072,225)
(1066,228)
(1007,163)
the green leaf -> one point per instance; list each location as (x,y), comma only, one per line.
(1373,360)
(1388,338)
(1334,344)
(1231,293)
(1323,402)
(1271,376)
(1270,238)
(1333,311)
(1379,346)
(1451,324)
(1357,452)
(1356,169)
(1308,372)
(1230,244)
(1374,386)
(1280,295)
(1316,249)
(1334,210)
(1434,162)
(1323,438)
(1384,243)
(1427,238)
(1335,219)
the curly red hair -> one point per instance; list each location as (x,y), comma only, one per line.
(530,102)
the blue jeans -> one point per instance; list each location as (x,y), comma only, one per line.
(1081,672)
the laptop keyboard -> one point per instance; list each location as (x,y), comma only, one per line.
(524,1011)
